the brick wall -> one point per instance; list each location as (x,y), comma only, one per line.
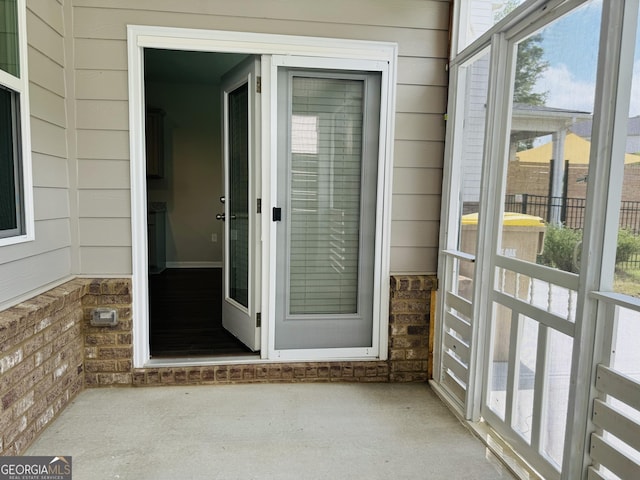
(265,373)
(108,351)
(533,178)
(409,312)
(49,351)
(41,363)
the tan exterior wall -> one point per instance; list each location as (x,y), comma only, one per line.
(26,267)
(419,27)
(80,132)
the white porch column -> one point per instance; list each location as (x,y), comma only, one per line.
(558,140)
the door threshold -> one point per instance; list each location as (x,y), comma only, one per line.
(203,360)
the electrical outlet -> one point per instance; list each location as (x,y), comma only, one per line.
(214,237)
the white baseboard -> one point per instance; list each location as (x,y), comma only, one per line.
(194,264)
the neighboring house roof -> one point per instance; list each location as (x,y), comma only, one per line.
(543,120)
(576,150)
(584,128)
(524,107)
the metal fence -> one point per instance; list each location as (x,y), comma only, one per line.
(570,213)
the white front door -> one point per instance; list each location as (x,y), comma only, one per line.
(240,217)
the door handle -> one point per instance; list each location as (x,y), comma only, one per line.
(220,216)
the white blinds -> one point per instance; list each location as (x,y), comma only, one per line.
(325,198)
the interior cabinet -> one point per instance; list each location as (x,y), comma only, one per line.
(154,135)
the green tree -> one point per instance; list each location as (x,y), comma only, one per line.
(530,65)
(529,68)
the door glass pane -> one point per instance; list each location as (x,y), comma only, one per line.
(325,189)
(9,179)
(9,58)
(627,278)
(238,196)
(550,140)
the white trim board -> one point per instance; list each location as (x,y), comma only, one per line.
(267,45)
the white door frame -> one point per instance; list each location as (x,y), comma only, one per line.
(140,37)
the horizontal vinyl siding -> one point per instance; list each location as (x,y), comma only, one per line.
(51,235)
(45,72)
(29,267)
(414,259)
(105,232)
(104,174)
(102,85)
(419,14)
(107,260)
(51,203)
(419,27)
(31,274)
(104,203)
(49,171)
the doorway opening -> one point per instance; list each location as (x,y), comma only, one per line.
(184,136)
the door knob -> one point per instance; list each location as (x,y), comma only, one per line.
(220,216)
(222,199)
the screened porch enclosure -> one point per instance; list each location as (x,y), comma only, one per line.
(539,308)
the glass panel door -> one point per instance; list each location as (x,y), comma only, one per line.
(241,162)
(328,154)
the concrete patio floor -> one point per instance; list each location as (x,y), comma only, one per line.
(267,431)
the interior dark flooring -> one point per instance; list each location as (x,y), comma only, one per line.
(185,314)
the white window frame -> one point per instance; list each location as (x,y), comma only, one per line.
(20,85)
(267,45)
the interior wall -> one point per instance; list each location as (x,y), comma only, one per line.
(192,183)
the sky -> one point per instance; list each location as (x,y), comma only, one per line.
(571,48)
